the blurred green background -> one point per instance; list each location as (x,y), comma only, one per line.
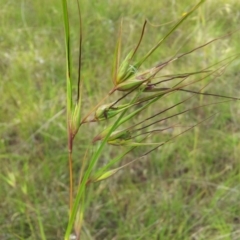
(188,189)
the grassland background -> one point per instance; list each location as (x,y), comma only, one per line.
(189,189)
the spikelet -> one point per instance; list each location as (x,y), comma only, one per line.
(108,111)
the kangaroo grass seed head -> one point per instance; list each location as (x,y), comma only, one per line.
(138,79)
(119,134)
(126,70)
(108,111)
(129,85)
(134,82)
(105,175)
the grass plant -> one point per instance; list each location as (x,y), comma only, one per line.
(185,190)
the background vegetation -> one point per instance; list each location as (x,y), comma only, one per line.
(189,189)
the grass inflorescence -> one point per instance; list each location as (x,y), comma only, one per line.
(162,125)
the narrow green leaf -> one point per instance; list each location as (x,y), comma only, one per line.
(68,59)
